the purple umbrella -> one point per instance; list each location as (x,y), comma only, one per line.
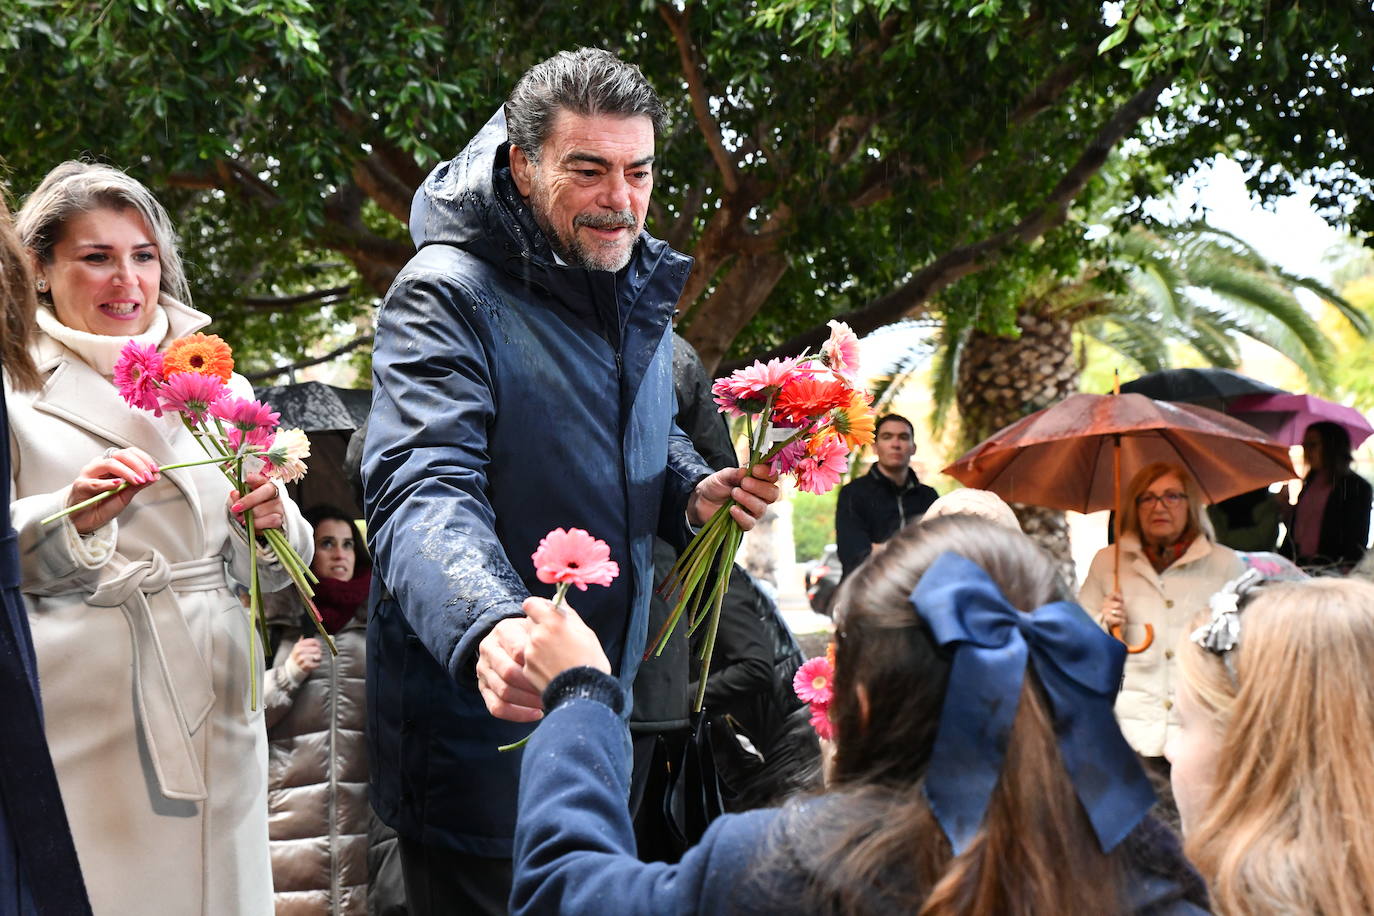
(1285,417)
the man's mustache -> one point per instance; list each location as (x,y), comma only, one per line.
(620,219)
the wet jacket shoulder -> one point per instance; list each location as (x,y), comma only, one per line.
(512,395)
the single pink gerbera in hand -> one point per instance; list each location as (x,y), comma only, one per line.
(243,414)
(192,394)
(826,460)
(841,352)
(137,375)
(814,681)
(574,557)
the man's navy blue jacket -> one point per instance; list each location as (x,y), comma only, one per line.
(511,395)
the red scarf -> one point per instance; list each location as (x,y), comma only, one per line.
(338,599)
(1161,558)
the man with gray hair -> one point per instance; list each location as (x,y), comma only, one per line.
(522,382)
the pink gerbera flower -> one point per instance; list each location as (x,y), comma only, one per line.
(820,721)
(574,557)
(258,439)
(826,460)
(814,681)
(137,375)
(747,390)
(841,352)
(192,394)
(243,414)
(788,457)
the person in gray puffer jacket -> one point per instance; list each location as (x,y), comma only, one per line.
(318,815)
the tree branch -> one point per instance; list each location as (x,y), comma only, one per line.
(696,90)
(335,353)
(909,300)
(287,303)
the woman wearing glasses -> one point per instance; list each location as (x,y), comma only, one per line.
(1170,565)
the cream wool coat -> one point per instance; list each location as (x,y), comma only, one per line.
(1169,601)
(143,652)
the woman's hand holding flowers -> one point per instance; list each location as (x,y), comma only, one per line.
(263,498)
(130,468)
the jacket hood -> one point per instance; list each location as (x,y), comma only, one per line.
(471,202)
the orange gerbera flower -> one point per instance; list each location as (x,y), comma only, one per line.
(203,354)
(853,422)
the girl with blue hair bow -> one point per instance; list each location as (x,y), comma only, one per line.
(978,766)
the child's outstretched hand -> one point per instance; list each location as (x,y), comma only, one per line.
(558,640)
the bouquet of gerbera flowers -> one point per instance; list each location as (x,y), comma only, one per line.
(804,416)
(240,435)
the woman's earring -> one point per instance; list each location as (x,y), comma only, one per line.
(42,284)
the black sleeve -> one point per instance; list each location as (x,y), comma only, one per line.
(852,540)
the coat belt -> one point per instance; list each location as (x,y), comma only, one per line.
(172,685)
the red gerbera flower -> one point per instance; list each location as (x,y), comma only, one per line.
(805,397)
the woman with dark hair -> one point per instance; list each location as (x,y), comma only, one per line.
(978,765)
(1329,524)
(316,711)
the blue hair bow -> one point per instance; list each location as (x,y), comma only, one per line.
(1080,669)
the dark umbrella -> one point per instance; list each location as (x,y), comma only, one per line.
(329,416)
(315,406)
(1213,388)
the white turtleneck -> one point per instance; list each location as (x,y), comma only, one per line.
(100,351)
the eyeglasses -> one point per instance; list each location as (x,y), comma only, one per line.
(1171,498)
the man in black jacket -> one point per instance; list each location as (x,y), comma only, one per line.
(874,507)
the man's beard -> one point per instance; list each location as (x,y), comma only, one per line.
(573,250)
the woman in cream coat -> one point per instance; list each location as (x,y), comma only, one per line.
(1170,567)
(142,644)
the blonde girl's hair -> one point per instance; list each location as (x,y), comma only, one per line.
(1290,828)
(74,188)
(18,303)
(1198,523)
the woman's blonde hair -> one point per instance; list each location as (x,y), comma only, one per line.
(18,303)
(74,188)
(1290,828)
(1198,523)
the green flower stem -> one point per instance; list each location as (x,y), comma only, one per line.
(558,594)
(727,563)
(87,503)
(254,612)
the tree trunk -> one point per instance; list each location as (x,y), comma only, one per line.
(1002,379)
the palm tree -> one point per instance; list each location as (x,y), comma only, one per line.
(1192,284)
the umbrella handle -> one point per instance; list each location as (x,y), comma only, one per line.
(1141,647)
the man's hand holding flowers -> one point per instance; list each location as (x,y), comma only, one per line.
(752,494)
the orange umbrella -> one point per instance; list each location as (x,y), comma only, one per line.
(1071,455)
